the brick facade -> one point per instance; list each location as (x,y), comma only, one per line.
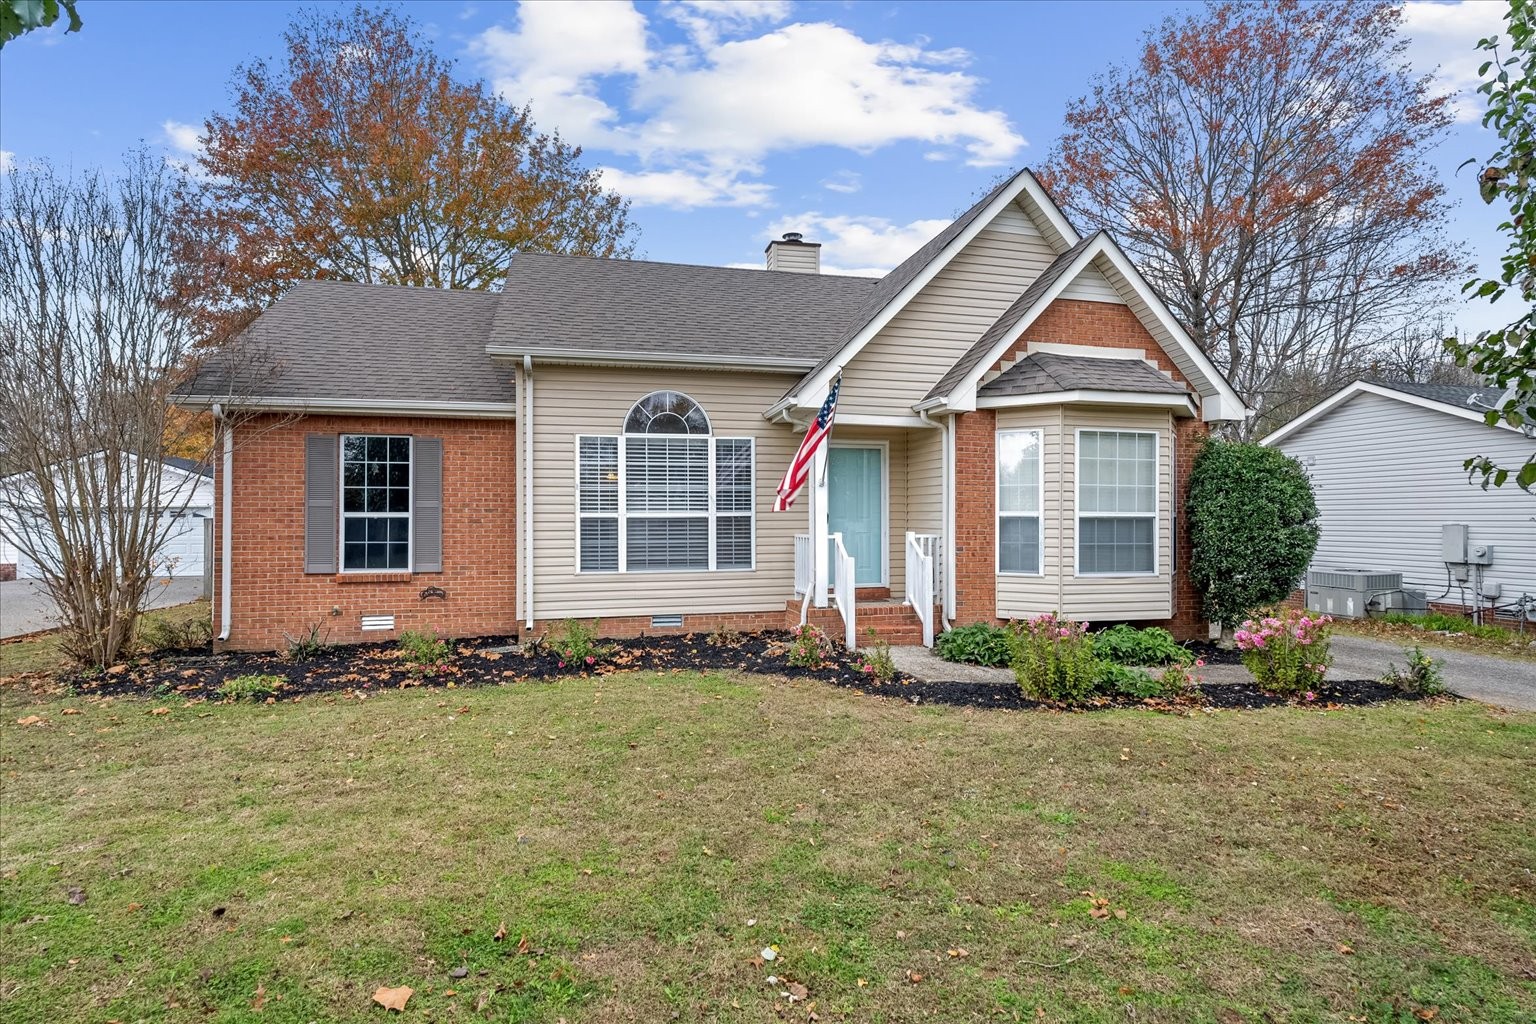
(975,517)
(1097,324)
(273,596)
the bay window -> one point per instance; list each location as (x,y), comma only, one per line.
(1018,501)
(664,495)
(1116,502)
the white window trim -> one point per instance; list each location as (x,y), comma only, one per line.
(408,515)
(997,502)
(885,502)
(622,515)
(1156,515)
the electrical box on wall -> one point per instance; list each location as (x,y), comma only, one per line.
(1453,543)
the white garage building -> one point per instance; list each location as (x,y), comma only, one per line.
(186,501)
(1386,465)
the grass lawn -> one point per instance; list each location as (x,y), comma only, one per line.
(40,653)
(640,838)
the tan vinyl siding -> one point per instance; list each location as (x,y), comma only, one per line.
(1092,286)
(1104,598)
(569,401)
(899,366)
(925,481)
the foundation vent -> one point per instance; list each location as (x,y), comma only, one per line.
(666,621)
(372,622)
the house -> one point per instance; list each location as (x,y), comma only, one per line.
(603,440)
(185,502)
(1386,465)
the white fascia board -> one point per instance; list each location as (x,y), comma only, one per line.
(876,420)
(665,359)
(1049,210)
(1338,398)
(1143,399)
(354,406)
(963,397)
(816,387)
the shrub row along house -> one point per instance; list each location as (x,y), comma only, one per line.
(603,439)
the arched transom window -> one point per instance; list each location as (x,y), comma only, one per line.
(664,495)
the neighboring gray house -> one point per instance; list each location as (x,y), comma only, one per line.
(1386,464)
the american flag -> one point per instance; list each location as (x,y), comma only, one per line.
(800,466)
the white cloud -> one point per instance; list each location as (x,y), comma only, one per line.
(846,182)
(1445,36)
(7,160)
(715,107)
(183,137)
(867,246)
(685,190)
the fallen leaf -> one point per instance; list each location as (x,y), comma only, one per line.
(135,906)
(393,998)
(1345,949)
(1428,1013)
(450,993)
(117,670)
(797,991)
(1119,915)
(261,997)
(161,711)
(31,720)
(71,711)
(913,976)
(522,943)
(501,932)
(863,983)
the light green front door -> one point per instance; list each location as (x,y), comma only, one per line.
(856,508)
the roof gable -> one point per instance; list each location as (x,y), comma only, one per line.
(1050,372)
(1466,403)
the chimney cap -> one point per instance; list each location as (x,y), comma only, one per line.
(792,238)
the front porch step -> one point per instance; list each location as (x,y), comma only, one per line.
(894,622)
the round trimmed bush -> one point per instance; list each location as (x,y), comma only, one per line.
(1253,527)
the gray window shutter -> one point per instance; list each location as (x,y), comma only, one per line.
(321,519)
(427,504)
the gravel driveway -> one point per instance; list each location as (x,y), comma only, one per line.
(25,606)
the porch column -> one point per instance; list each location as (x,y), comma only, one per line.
(818,510)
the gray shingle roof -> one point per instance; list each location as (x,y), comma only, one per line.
(1046,372)
(892,284)
(338,340)
(553,303)
(1005,324)
(189,466)
(1476,398)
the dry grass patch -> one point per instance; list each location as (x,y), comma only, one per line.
(642,837)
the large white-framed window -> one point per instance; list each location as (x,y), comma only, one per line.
(1019,534)
(665,495)
(1117,504)
(375,503)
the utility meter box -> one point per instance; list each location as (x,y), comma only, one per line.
(1453,543)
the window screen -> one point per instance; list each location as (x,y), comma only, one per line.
(1117,502)
(1018,501)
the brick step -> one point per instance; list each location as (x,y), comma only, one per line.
(892,621)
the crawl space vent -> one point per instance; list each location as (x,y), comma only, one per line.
(378,622)
(666,621)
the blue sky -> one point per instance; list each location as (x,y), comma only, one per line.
(864,125)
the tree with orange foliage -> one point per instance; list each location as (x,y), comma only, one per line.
(1264,164)
(361,158)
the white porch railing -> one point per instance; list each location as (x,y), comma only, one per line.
(805,563)
(843,589)
(923,578)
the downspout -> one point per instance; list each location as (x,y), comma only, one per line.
(525,429)
(227,517)
(946,488)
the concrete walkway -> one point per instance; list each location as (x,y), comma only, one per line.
(25,606)
(1503,682)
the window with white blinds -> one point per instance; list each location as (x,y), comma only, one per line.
(661,498)
(1018,501)
(1116,502)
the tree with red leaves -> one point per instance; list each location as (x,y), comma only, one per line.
(360,157)
(1264,164)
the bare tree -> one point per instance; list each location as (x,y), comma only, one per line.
(96,327)
(1264,164)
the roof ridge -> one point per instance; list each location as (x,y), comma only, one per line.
(692,266)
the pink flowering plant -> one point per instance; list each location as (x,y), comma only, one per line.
(809,647)
(576,645)
(1288,652)
(1053,659)
(875,658)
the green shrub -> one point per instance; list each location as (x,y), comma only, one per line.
(809,647)
(1253,527)
(251,687)
(981,644)
(308,644)
(160,634)
(1421,676)
(575,643)
(1127,645)
(1053,659)
(1286,653)
(875,659)
(1129,682)
(425,653)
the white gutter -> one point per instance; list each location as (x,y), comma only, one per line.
(525,429)
(226,526)
(620,358)
(312,406)
(949,520)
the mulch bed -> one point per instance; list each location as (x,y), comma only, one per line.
(498,661)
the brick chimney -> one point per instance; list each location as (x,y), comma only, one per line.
(793,255)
